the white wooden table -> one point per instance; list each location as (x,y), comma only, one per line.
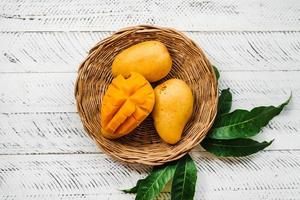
(46,154)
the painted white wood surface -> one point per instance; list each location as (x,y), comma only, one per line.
(54,92)
(209,15)
(57,133)
(267,175)
(44,151)
(39,114)
(63,51)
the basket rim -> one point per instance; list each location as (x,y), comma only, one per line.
(144,28)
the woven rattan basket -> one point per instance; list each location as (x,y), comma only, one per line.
(143,145)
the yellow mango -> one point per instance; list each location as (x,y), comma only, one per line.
(126,103)
(151,59)
(172,110)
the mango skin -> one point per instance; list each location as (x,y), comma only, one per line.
(173,108)
(151,59)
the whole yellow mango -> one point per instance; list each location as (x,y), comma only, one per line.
(172,110)
(151,59)
(126,103)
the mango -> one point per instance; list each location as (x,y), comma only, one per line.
(173,108)
(151,59)
(126,103)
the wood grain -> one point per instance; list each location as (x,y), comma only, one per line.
(267,175)
(44,151)
(110,15)
(39,114)
(230,51)
(42,133)
(61,133)
(117,195)
(53,92)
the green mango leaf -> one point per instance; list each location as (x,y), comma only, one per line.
(167,188)
(243,123)
(233,148)
(153,184)
(225,101)
(184,181)
(131,190)
(216,72)
(135,188)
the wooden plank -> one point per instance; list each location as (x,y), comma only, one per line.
(266,175)
(54,92)
(110,15)
(35,118)
(117,195)
(42,133)
(46,92)
(252,89)
(57,133)
(63,51)
(75,196)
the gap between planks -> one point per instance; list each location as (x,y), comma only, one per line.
(100,152)
(184,31)
(72,72)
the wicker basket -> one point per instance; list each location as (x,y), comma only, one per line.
(143,145)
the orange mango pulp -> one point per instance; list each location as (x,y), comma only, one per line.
(126,103)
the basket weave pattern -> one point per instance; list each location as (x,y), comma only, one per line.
(143,145)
